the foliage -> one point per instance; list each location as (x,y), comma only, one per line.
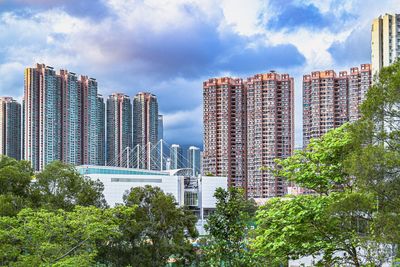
(375,163)
(228,230)
(56,238)
(60,186)
(320,167)
(15,178)
(157,231)
(355,171)
(319,226)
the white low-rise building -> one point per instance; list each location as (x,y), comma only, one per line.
(197,193)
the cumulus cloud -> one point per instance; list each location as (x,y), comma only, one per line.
(169,47)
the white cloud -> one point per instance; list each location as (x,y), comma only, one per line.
(183,118)
(245,17)
(62,40)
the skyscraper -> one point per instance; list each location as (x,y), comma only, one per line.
(119,129)
(193,157)
(145,130)
(92,113)
(101,131)
(10,127)
(224,119)
(270,131)
(61,118)
(330,100)
(160,127)
(42,116)
(360,80)
(176,157)
(71,144)
(385,41)
(246,126)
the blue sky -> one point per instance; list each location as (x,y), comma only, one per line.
(170,47)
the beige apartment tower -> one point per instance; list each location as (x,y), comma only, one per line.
(385,41)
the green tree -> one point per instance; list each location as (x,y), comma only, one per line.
(320,166)
(375,164)
(60,186)
(340,218)
(228,227)
(15,178)
(55,238)
(335,227)
(157,231)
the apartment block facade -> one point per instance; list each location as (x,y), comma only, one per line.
(119,129)
(10,127)
(193,157)
(176,156)
(270,131)
(224,120)
(60,118)
(145,130)
(92,123)
(42,116)
(385,41)
(330,100)
(247,124)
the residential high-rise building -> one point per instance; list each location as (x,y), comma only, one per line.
(360,80)
(330,100)
(385,41)
(10,127)
(193,157)
(61,118)
(92,114)
(42,116)
(101,131)
(246,126)
(71,130)
(145,130)
(160,127)
(224,119)
(176,157)
(270,131)
(119,129)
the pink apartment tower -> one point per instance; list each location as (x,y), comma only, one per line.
(247,125)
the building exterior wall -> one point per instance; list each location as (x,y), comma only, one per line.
(193,157)
(60,118)
(385,41)
(101,131)
(160,126)
(42,116)
(269,131)
(71,145)
(224,117)
(10,127)
(246,126)
(90,123)
(176,157)
(330,100)
(145,129)
(119,129)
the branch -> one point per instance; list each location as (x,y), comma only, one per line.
(71,250)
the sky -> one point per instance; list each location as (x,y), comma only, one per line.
(169,47)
